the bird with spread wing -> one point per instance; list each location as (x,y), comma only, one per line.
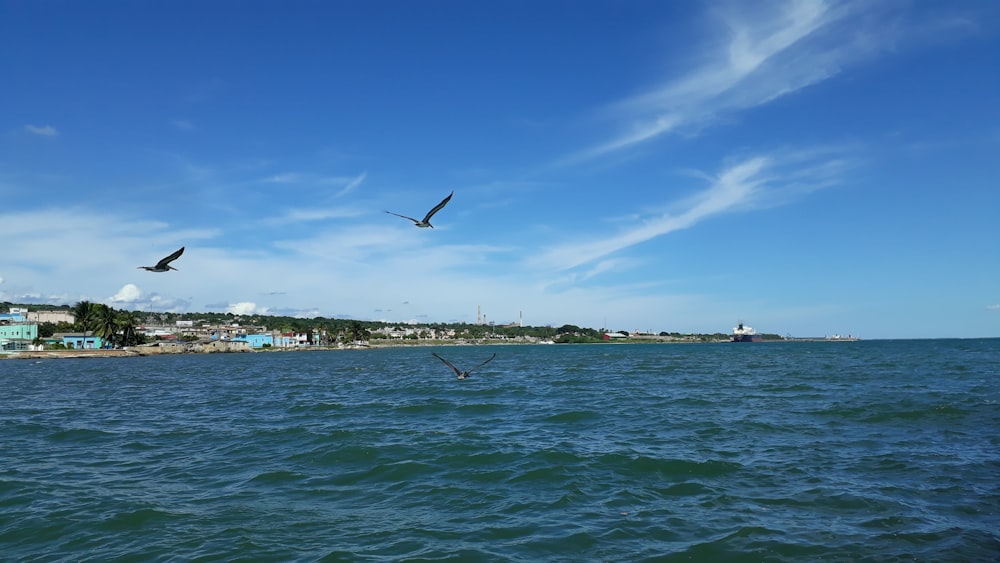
(462,374)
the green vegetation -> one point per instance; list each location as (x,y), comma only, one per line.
(118,328)
(46,330)
(355,332)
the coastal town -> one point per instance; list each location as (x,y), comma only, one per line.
(27,331)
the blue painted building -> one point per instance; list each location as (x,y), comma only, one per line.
(81,341)
(255,340)
(18,336)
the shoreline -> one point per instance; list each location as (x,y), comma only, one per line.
(59,354)
(154,350)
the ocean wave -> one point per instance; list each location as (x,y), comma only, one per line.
(648,453)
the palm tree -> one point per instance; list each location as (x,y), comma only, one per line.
(351,333)
(126,323)
(83,313)
(356,332)
(107,323)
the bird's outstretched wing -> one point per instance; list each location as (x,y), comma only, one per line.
(403,216)
(438,207)
(457,371)
(482,364)
(162,265)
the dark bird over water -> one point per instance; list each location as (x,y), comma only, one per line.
(164,265)
(462,374)
(426,222)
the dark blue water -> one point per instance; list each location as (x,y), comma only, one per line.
(842,451)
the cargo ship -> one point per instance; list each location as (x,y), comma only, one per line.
(745,334)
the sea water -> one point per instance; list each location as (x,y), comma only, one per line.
(808,451)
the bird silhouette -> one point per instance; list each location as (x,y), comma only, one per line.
(164,265)
(462,374)
(426,222)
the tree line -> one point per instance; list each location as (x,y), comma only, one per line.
(117,328)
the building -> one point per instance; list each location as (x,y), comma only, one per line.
(255,340)
(54,317)
(17,336)
(81,341)
(14,316)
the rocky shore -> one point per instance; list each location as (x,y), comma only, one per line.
(153,349)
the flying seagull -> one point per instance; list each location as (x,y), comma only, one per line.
(164,265)
(426,222)
(462,374)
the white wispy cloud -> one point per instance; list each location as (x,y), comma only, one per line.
(307,215)
(320,209)
(995,307)
(741,186)
(85,253)
(345,270)
(349,183)
(353,184)
(42,130)
(246,308)
(284,178)
(131,298)
(638,133)
(766,51)
(731,188)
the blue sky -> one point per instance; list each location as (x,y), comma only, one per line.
(813,168)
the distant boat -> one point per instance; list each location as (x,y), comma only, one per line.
(745,334)
(842,338)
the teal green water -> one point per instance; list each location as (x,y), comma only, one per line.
(843,451)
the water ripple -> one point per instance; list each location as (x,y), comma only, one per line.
(868,451)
